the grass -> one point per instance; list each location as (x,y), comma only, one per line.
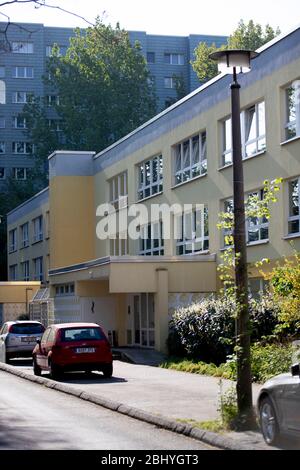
(212,426)
(198,367)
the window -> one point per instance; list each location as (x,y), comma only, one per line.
(20,173)
(2,92)
(13,272)
(2,122)
(19,122)
(191,158)
(151,241)
(19,47)
(257,286)
(294,207)
(64,289)
(38,229)
(2,71)
(193,235)
(228,233)
(151,57)
(2,147)
(49,50)
(22,147)
(169,82)
(118,246)
(13,240)
(52,100)
(54,125)
(38,269)
(292,126)
(174,59)
(25,270)
(150,177)
(22,97)
(2,173)
(257,228)
(24,235)
(253,133)
(23,72)
(118,191)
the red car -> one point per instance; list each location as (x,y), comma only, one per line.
(73,347)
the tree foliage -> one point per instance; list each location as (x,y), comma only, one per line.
(246,36)
(285,280)
(104,92)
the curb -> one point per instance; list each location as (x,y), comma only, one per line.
(202,435)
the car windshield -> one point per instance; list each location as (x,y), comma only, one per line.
(79,334)
(26,329)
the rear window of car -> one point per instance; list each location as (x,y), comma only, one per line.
(27,329)
(81,334)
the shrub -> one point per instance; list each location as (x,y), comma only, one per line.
(206,330)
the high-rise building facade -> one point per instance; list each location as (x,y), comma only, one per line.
(23,56)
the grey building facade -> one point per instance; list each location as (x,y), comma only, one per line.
(23,56)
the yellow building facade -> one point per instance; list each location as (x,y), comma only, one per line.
(182,156)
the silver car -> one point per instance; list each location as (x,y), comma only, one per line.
(279,407)
(18,339)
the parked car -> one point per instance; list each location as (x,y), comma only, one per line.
(73,347)
(18,338)
(279,406)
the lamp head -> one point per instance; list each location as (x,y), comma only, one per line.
(230,59)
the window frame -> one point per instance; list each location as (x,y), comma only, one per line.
(148,246)
(116,199)
(296,122)
(192,167)
(13,240)
(172,56)
(293,218)
(185,242)
(21,49)
(145,189)
(16,169)
(38,229)
(26,75)
(227,150)
(261,225)
(28,148)
(24,235)
(38,273)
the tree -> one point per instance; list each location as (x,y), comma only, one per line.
(104,92)
(251,36)
(246,36)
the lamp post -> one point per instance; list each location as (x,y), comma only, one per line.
(238,61)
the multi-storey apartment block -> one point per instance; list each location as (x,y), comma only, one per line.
(183,155)
(23,61)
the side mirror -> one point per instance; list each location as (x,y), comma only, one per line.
(295,370)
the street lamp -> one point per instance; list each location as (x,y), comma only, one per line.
(238,61)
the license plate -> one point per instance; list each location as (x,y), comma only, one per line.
(85,350)
(28,339)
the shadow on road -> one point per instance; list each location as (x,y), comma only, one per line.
(82,378)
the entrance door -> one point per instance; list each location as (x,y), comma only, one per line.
(143,320)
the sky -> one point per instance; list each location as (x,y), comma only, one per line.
(169,17)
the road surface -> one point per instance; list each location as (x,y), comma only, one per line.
(33,417)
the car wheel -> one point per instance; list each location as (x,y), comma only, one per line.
(107,370)
(54,371)
(36,369)
(268,422)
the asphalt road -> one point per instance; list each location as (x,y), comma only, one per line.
(33,417)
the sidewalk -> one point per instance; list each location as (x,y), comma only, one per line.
(160,392)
